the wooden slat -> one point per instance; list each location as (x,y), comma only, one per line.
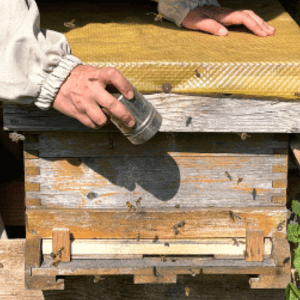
(98,144)
(270,281)
(160,247)
(201,223)
(254,245)
(204,287)
(61,244)
(208,115)
(159,279)
(180,266)
(110,182)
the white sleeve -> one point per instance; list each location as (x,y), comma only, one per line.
(34,62)
(176,10)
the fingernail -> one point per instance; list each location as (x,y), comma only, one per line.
(131,123)
(223,31)
(130,95)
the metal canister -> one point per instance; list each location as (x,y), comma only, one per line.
(147,119)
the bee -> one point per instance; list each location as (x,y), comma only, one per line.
(98,278)
(59,252)
(239,180)
(197,73)
(188,121)
(15,137)
(234,216)
(163,258)
(131,206)
(254,194)
(297,94)
(70,24)
(181,224)
(175,228)
(155,239)
(244,136)
(53,255)
(173,260)
(228,175)
(138,237)
(177,206)
(236,242)
(158,17)
(55,263)
(279,226)
(166,244)
(187,291)
(192,272)
(155,273)
(138,201)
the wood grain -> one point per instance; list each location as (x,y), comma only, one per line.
(204,286)
(207,114)
(200,223)
(145,266)
(98,144)
(192,170)
(225,247)
(254,245)
(61,244)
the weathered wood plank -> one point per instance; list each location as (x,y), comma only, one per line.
(78,287)
(270,281)
(254,245)
(180,266)
(97,144)
(205,114)
(159,181)
(225,247)
(12,270)
(61,244)
(201,223)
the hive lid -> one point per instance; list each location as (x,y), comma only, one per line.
(151,53)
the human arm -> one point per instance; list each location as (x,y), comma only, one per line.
(36,63)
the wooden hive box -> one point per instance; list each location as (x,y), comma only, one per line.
(186,202)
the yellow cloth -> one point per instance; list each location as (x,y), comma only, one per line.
(150,53)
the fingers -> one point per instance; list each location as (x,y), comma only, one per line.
(67,107)
(244,17)
(210,19)
(112,106)
(196,20)
(112,76)
(268,28)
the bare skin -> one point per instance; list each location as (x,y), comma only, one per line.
(83,96)
(212,18)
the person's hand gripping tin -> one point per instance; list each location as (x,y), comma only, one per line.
(147,119)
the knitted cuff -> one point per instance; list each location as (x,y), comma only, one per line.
(54,80)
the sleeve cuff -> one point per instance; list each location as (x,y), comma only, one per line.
(54,80)
(176,11)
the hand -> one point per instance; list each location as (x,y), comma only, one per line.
(83,96)
(210,18)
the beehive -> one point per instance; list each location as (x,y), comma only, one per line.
(186,202)
(206,195)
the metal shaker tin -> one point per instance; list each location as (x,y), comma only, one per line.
(147,119)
